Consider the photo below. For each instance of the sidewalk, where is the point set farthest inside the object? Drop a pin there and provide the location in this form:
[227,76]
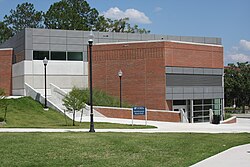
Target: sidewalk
[237,156]
[242,126]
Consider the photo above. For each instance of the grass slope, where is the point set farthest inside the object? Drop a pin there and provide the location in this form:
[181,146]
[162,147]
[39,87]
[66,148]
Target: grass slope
[25,112]
[112,149]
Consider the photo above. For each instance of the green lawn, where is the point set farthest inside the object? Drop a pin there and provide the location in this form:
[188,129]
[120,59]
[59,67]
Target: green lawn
[112,149]
[25,112]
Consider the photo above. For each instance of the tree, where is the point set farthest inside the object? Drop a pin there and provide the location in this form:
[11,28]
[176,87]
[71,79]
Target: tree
[71,15]
[25,16]
[78,15]
[4,104]
[5,32]
[237,84]
[74,101]
[121,25]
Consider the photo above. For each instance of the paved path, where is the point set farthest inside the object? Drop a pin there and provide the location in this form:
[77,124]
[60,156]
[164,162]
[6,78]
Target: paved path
[234,157]
[242,125]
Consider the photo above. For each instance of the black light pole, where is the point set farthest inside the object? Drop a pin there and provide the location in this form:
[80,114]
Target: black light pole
[45,62]
[120,76]
[91,36]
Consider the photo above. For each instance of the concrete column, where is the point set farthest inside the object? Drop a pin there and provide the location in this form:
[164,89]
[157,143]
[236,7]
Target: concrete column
[222,109]
[191,111]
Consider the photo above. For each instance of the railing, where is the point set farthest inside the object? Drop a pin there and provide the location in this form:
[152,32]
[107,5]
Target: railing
[184,117]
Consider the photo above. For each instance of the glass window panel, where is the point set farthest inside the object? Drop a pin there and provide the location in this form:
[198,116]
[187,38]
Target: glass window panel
[198,120]
[208,101]
[58,55]
[40,55]
[216,101]
[216,112]
[206,113]
[197,108]
[207,107]
[216,107]
[179,102]
[75,56]
[197,102]
[197,114]
[206,119]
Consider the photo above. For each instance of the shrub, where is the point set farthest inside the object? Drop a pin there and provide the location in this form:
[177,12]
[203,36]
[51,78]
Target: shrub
[101,98]
[1,119]
[2,93]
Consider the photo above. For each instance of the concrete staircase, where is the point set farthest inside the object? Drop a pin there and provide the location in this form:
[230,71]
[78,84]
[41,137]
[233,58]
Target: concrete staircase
[54,100]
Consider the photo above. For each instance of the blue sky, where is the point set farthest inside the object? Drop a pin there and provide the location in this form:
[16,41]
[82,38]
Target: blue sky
[227,19]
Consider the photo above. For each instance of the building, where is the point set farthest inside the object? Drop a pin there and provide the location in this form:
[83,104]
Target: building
[160,71]
[166,75]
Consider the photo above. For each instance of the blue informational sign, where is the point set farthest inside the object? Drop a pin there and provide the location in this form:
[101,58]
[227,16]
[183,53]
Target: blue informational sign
[139,110]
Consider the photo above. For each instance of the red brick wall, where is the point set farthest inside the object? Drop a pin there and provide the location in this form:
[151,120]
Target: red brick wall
[6,70]
[192,55]
[229,121]
[143,80]
[152,114]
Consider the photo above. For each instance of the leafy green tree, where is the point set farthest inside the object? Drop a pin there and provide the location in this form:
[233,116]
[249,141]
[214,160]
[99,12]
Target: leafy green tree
[25,16]
[5,32]
[70,15]
[3,104]
[121,25]
[237,84]
[78,15]
[74,101]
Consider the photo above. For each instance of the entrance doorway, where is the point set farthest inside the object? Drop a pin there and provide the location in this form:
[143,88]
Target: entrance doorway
[182,104]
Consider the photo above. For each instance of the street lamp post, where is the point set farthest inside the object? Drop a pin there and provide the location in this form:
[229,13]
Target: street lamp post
[120,76]
[91,36]
[45,62]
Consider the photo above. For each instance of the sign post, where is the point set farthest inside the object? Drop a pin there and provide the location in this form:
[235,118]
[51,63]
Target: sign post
[139,111]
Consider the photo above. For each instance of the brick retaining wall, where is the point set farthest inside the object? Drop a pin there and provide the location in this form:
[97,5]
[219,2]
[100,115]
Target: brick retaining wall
[154,115]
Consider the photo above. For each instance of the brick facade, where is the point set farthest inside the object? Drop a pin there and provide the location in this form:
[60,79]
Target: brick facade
[143,65]
[193,55]
[6,70]
[153,115]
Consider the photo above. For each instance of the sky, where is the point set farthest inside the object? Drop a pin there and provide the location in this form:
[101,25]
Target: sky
[226,19]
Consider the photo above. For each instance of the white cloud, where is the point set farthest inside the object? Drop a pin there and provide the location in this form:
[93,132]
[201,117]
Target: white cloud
[158,9]
[240,57]
[134,15]
[245,44]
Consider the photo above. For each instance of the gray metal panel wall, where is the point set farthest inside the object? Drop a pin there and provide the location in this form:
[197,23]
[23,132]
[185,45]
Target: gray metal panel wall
[193,83]
[73,40]
[193,80]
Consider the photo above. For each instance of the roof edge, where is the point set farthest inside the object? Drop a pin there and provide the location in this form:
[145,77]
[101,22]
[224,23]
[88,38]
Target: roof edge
[183,42]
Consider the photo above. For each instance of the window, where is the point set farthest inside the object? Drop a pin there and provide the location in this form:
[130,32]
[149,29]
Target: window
[58,55]
[179,102]
[197,102]
[40,55]
[75,56]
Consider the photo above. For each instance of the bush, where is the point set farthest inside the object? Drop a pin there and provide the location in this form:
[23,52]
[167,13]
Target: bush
[101,98]
[228,115]
[1,119]
[2,93]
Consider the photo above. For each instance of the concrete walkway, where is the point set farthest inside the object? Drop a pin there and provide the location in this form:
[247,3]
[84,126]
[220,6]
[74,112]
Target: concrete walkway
[237,156]
[242,125]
